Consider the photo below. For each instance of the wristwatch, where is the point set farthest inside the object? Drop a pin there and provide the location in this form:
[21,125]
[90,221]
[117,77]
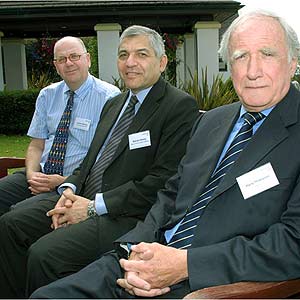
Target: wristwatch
[91,211]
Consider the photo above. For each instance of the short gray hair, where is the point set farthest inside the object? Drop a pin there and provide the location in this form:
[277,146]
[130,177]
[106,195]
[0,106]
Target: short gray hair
[154,38]
[290,34]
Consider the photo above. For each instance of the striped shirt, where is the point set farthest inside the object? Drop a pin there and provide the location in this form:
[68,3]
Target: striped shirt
[89,100]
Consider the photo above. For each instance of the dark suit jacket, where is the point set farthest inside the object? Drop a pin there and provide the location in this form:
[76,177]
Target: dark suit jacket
[257,239]
[132,179]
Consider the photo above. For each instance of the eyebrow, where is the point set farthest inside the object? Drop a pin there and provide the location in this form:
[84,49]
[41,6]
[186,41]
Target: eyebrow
[137,50]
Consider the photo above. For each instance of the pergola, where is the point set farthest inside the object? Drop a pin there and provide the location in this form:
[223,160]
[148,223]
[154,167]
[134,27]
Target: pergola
[199,21]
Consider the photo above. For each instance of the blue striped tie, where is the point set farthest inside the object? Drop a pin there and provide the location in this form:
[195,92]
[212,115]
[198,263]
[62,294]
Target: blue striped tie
[56,157]
[94,181]
[184,235]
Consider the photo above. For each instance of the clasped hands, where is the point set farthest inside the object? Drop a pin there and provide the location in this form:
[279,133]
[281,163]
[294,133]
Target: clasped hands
[42,183]
[69,209]
[152,269]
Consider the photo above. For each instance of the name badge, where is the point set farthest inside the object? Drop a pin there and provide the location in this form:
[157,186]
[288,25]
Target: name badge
[139,140]
[257,181]
[82,124]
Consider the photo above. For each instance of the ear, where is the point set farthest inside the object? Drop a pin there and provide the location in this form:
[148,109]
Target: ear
[55,64]
[163,63]
[293,66]
[88,57]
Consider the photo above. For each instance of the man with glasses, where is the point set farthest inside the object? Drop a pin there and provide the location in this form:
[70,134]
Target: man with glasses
[72,62]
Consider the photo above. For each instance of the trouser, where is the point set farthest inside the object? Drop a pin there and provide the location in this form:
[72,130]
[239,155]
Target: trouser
[14,189]
[33,255]
[97,281]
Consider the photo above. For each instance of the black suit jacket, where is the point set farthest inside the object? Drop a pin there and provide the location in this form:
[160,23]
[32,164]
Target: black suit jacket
[132,179]
[257,239]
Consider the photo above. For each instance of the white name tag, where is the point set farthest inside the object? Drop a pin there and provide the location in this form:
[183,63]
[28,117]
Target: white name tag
[257,181]
[139,140]
[83,124]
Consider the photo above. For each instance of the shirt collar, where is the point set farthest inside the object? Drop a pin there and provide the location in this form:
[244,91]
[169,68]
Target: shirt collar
[266,112]
[141,95]
[84,88]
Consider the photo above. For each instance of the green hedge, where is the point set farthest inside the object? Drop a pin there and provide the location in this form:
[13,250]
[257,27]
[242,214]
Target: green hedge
[16,110]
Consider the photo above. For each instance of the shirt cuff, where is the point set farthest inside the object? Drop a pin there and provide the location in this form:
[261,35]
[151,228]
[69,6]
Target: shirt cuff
[100,204]
[63,186]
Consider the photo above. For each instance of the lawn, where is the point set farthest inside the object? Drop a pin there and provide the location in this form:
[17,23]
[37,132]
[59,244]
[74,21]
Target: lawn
[13,145]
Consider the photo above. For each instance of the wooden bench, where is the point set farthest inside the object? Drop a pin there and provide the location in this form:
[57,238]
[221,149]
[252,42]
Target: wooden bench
[250,290]
[10,163]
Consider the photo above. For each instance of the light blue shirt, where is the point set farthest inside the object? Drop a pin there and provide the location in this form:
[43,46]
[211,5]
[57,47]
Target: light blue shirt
[99,200]
[236,128]
[89,100]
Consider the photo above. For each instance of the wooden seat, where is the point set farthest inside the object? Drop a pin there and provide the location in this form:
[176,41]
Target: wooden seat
[10,163]
[250,290]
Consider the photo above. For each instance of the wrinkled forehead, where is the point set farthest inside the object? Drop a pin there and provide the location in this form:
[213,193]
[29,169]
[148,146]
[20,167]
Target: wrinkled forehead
[135,42]
[258,32]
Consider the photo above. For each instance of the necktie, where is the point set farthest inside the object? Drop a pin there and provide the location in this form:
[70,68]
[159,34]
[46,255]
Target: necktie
[94,181]
[55,161]
[183,236]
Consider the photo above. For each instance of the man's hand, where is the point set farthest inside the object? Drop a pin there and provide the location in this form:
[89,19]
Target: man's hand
[152,269]
[41,183]
[70,209]
[61,203]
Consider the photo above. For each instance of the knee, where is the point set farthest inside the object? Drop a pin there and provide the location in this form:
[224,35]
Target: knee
[8,224]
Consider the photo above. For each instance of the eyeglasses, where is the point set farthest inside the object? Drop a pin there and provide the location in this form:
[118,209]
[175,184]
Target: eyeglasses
[72,57]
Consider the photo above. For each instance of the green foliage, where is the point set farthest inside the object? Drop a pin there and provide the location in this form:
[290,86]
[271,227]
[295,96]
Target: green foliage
[119,83]
[171,42]
[16,109]
[220,93]
[39,57]
[92,48]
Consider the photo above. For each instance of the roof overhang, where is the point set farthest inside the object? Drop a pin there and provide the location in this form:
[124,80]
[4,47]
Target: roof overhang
[28,19]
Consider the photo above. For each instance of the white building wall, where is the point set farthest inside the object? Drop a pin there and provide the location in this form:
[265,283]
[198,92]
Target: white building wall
[108,41]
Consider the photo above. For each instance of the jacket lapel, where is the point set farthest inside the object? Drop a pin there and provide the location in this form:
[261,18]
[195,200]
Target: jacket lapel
[106,122]
[272,132]
[147,109]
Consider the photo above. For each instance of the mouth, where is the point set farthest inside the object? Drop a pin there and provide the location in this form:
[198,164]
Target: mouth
[256,87]
[71,71]
[132,74]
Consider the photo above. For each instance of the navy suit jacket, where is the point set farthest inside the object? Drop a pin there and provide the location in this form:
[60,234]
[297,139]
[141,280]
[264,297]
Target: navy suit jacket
[257,239]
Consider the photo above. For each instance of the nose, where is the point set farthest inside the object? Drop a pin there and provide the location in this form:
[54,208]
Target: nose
[68,62]
[131,61]
[254,68]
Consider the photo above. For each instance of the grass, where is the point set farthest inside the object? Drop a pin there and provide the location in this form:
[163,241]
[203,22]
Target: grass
[13,145]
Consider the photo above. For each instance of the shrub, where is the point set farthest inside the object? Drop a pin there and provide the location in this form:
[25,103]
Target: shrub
[17,109]
[220,93]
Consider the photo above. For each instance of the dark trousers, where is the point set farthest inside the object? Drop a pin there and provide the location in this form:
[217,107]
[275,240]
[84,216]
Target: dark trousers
[97,281]
[33,255]
[14,189]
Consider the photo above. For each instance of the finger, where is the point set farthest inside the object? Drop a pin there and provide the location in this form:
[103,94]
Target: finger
[68,193]
[56,211]
[68,203]
[134,280]
[55,221]
[150,293]
[122,282]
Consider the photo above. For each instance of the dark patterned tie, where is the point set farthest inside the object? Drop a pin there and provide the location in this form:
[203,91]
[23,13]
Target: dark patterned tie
[94,181]
[184,235]
[55,161]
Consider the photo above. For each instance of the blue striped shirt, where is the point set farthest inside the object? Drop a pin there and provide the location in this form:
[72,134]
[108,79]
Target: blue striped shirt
[89,100]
